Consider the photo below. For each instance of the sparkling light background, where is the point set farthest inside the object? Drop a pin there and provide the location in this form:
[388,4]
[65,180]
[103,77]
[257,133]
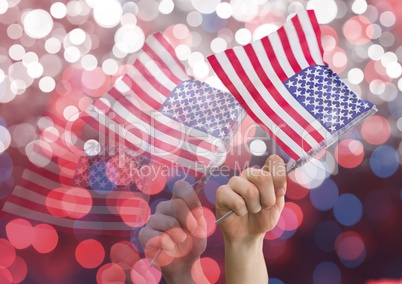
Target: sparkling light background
[342,220]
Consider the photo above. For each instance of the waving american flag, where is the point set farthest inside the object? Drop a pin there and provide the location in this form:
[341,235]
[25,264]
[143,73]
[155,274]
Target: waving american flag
[284,84]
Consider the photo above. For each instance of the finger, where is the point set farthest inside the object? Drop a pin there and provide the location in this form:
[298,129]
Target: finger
[177,208]
[248,191]
[227,199]
[154,240]
[185,191]
[168,224]
[276,166]
[263,181]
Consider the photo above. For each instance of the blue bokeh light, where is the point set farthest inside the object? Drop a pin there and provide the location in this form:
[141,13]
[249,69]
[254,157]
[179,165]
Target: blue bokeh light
[275,281]
[384,161]
[325,196]
[348,210]
[212,185]
[6,166]
[327,273]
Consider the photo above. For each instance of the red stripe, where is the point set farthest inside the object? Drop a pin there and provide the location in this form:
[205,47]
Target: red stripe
[277,96]
[165,69]
[288,50]
[141,93]
[273,60]
[225,79]
[317,31]
[262,104]
[162,40]
[303,41]
[151,79]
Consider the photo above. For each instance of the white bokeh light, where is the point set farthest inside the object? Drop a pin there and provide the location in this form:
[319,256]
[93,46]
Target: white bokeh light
[243,36]
[355,76]
[107,13]
[72,54]
[52,45]
[166,6]
[258,147]
[110,66]
[58,10]
[205,6]
[218,44]
[37,23]
[35,70]
[47,84]
[129,38]
[92,147]
[224,10]
[3,6]
[77,36]
[89,62]
[5,139]
[325,10]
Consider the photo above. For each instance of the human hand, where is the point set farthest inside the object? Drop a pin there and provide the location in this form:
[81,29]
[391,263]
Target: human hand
[178,229]
[257,197]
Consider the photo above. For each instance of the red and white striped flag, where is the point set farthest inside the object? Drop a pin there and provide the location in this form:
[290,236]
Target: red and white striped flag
[159,111]
[284,85]
[96,172]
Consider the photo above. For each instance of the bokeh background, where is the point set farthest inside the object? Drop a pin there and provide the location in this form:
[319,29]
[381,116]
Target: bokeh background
[343,218]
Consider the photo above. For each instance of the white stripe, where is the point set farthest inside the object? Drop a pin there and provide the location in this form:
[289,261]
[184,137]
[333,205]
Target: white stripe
[237,82]
[155,71]
[167,58]
[64,222]
[311,37]
[294,42]
[141,81]
[270,101]
[280,54]
[268,69]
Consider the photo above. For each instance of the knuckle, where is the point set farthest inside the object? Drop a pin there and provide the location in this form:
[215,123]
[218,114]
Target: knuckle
[251,192]
[238,205]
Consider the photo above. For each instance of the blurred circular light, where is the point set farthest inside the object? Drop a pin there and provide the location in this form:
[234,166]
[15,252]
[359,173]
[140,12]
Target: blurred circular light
[348,210]
[14,31]
[47,84]
[3,7]
[89,62]
[387,19]
[258,147]
[205,6]
[58,10]
[350,249]
[166,6]
[35,70]
[72,54]
[107,13]
[52,45]
[375,51]
[359,6]
[224,10]
[111,273]
[110,66]
[129,38]
[264,30]
[194,19]
[376,130]
[18,270]
[218,45]
[201,70]
[325,196]
[349,153]
[327,272]
[244,11]
[394,70]
[8,253]
[148,10]
[20,233]
[355,76]
[243,36]
[354,30]
[325,10]
[384,161]
[5,139]
[16,52]
[183,51]
[89,253]
[37,23]
[77,36]
[46,238]
[207,268]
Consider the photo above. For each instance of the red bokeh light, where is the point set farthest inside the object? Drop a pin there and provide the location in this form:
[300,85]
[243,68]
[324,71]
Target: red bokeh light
[8,254]
[376,130]
[144,273]
[46,238]
[292,216]
[205,270]
[5,276]
[349,245]
[76,202]
[151,179]
[210,218]
[110,273]
[355,30]
[20,233]
[349,153]
[125,254]
[134,211]
[18,270]
[153,250]
[295,191]
[89,253]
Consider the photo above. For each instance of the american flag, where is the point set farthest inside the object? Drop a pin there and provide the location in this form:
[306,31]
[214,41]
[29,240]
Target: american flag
[87,175]
[159,111]
[284,84]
